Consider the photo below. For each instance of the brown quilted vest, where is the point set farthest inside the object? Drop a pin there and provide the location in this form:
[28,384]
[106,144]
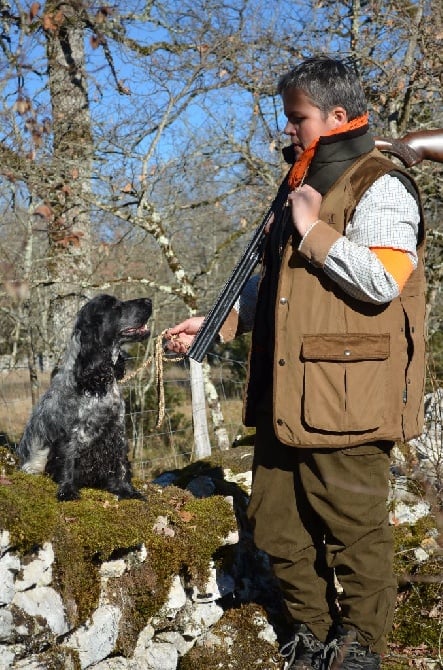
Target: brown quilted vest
[345,372]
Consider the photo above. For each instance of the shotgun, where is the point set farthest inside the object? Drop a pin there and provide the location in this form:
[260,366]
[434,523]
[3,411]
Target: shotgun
[410,150]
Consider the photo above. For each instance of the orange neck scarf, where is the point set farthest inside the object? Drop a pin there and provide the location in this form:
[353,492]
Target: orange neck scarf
[301,166]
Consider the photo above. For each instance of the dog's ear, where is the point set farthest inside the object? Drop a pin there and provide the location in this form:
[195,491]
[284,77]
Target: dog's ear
[93,368]
[99,320]
[96,331]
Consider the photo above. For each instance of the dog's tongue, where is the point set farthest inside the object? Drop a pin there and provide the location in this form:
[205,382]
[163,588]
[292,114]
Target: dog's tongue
[142,330]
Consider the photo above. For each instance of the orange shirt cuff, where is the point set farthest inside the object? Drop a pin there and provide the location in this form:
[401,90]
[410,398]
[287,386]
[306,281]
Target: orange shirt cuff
[397,262]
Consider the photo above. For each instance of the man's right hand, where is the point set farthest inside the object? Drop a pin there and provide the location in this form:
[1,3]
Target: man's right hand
[180,337]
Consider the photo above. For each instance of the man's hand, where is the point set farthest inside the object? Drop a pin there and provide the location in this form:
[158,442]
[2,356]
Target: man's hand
[180,337]
[305,206]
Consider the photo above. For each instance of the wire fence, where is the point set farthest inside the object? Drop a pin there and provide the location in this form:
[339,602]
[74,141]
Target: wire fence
[155,449]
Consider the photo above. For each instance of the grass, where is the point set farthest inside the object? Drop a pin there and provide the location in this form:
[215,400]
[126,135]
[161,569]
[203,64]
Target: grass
[15,401]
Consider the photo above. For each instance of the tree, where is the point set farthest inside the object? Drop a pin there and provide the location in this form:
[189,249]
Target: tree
[58,183]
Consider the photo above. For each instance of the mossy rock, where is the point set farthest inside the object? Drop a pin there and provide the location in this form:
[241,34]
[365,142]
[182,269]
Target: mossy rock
[238,460]
[418,613]
[98,528]
[240,645]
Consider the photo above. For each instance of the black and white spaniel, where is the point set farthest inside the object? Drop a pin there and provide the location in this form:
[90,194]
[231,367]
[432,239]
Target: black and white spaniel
[76,432]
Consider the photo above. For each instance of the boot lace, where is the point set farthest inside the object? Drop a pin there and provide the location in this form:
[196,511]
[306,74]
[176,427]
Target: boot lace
[347,652]
[305,640]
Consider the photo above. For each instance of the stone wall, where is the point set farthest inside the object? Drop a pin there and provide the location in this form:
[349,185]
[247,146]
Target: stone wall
[232,619]
[35,628]
[33,622]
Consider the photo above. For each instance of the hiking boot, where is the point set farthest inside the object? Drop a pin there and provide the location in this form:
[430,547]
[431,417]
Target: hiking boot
[304,651]
[345,653]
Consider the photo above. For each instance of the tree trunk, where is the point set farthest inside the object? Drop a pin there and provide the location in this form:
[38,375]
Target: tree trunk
[68,218]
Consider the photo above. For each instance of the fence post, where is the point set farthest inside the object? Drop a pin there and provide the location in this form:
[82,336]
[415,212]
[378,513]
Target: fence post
[201,436]
[213,400]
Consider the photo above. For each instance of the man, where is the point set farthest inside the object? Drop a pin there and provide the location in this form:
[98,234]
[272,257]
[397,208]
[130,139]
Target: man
[336,370]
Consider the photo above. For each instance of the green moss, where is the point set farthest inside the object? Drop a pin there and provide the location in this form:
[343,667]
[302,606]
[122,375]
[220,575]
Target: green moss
[211,513]
[418,614]
[28,509]
[245,650]
[239,459]
[98,527]
[140,594]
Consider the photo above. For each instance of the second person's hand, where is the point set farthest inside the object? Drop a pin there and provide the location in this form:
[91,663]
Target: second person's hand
[180,337]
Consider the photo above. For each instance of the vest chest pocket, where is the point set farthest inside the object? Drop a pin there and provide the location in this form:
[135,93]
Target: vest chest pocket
[345,382]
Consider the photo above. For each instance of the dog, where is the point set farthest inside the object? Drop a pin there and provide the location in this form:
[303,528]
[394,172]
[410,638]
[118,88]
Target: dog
[76,432]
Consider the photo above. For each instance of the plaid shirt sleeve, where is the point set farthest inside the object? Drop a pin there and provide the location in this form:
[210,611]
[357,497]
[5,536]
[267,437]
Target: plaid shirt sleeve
[386,216]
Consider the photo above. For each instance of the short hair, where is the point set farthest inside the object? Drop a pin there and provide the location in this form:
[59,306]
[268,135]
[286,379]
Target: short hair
[328,82]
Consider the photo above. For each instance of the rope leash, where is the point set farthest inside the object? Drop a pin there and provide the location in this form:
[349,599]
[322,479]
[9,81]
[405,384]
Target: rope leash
[158,358]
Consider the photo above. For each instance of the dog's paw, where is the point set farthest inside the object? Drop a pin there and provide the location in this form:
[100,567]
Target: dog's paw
[138,495]
[67,492]
[129,491]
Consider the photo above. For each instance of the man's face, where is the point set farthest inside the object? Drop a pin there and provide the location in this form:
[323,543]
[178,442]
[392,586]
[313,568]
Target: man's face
[306,122]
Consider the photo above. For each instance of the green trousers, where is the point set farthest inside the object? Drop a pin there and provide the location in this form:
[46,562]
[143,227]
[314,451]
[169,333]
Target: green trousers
[321,515]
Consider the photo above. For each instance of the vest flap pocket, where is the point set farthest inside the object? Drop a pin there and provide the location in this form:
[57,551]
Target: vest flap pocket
[345,382]
[350,347]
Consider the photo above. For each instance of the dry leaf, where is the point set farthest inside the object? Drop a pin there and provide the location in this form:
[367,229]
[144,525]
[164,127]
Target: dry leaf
[123,89]
[34,10]
[96,40]
[48,23]
[22,105]
[52,22]
[71,240]
[59,18]
[43,210]
[103,14]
